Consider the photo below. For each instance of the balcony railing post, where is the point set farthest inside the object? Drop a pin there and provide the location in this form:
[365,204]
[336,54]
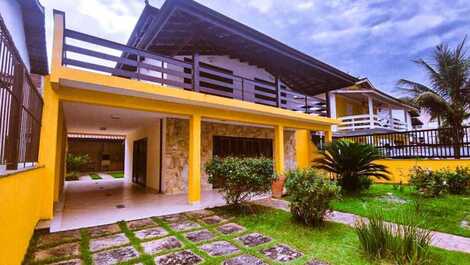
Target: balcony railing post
[195,71]
[278,92]
[14,130]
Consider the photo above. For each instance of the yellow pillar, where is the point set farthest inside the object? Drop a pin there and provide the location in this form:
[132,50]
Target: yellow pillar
[48,148]
[194,178]
[329,136]
[302,148]
[278,186]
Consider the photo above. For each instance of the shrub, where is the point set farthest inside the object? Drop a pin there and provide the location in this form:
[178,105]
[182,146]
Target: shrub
[75,162]
[241,178]
[458,181]
[404,244]
[310,195]
[352,163]
[429,183]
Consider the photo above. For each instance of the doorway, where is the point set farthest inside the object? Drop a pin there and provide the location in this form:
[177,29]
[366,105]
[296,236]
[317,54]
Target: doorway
[139,162]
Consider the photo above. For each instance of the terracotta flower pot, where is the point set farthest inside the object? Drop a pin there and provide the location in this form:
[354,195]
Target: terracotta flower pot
[278,187]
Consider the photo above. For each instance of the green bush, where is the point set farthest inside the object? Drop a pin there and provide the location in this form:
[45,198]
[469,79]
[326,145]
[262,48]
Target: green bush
[352,163]
[310,195]
[429,183]
[241,178]
[75,162]
[404,244]
[458,181]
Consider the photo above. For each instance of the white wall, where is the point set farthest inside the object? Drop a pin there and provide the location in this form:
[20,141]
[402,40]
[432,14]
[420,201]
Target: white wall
[10,10]
[152,133]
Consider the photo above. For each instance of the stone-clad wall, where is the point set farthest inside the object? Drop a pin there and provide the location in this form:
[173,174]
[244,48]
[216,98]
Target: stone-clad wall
[175,171]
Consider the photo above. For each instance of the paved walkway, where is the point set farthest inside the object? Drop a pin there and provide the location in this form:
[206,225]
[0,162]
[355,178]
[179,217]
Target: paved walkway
[439,239]
[180,239]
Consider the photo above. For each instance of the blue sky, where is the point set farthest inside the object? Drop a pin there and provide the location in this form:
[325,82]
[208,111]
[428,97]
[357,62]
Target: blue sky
[366,38]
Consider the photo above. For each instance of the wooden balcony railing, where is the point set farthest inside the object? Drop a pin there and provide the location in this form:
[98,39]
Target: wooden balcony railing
[366,121]
[107,57]
[20,108]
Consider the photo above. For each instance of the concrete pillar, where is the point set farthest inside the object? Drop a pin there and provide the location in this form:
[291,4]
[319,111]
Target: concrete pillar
[278,186]
[371,112]
[194,176]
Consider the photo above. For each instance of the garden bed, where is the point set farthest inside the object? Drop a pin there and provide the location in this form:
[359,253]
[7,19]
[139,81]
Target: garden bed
[447,213]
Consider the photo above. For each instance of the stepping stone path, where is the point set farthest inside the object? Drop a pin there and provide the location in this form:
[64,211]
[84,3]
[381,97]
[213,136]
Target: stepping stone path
[219,248]
[212,220]
[114,256]
[140,224]
[150,233]
[155,246]
[184,226]
[244,260]
[185,257]
[60,251]
[103,230]
[254,239]
[281,253]
[108,242]
[230,228]
[166,243]
[59,237]
[200,214]
[198,236]
[173,218]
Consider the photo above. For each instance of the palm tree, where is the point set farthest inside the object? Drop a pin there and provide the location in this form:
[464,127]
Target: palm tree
[352,163]
[448,96]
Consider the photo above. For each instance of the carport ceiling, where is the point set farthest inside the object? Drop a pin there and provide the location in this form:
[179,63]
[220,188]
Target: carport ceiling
[91,119]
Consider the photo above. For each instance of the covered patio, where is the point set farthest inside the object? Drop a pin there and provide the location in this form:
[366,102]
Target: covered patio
[91,203]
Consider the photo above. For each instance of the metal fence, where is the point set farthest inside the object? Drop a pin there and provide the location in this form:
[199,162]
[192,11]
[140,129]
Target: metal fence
[434,143]
[20,108]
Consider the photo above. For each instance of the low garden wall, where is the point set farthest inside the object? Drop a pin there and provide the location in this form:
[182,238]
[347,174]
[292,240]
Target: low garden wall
[400,168]
[20,210]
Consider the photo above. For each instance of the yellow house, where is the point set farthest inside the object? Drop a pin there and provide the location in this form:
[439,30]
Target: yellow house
[189,79]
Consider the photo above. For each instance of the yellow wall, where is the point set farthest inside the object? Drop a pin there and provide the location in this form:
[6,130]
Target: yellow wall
[20,208]
[400,168]
[342,109]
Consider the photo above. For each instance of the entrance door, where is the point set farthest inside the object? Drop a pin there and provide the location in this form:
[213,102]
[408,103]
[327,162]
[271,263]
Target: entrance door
[139,162]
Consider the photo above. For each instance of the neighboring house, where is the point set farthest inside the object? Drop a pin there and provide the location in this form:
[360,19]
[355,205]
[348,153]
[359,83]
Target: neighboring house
[23,62]
[364,109]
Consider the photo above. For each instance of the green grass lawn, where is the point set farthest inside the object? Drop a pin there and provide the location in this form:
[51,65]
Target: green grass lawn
[116,174]
[334,243]
[95,176]
[444,213]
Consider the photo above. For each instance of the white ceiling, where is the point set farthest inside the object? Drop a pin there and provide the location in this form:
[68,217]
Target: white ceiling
[84,118]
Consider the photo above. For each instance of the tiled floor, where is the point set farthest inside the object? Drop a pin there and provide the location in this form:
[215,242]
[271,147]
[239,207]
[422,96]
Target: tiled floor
[182,239]
[91,203]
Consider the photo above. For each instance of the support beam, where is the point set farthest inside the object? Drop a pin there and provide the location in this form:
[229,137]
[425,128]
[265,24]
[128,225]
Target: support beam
[390,117]
[196,75]
[371,112]
[328,104]
[194,176]
[278,186]
[332,108]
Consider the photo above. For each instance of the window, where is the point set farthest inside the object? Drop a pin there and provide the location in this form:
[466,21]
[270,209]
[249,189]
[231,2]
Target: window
[242,147]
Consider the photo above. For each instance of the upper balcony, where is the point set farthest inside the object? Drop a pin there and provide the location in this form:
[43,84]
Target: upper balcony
[103,56]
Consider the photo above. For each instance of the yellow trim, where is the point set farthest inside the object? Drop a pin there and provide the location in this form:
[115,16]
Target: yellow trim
[194,177]
[279,149]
